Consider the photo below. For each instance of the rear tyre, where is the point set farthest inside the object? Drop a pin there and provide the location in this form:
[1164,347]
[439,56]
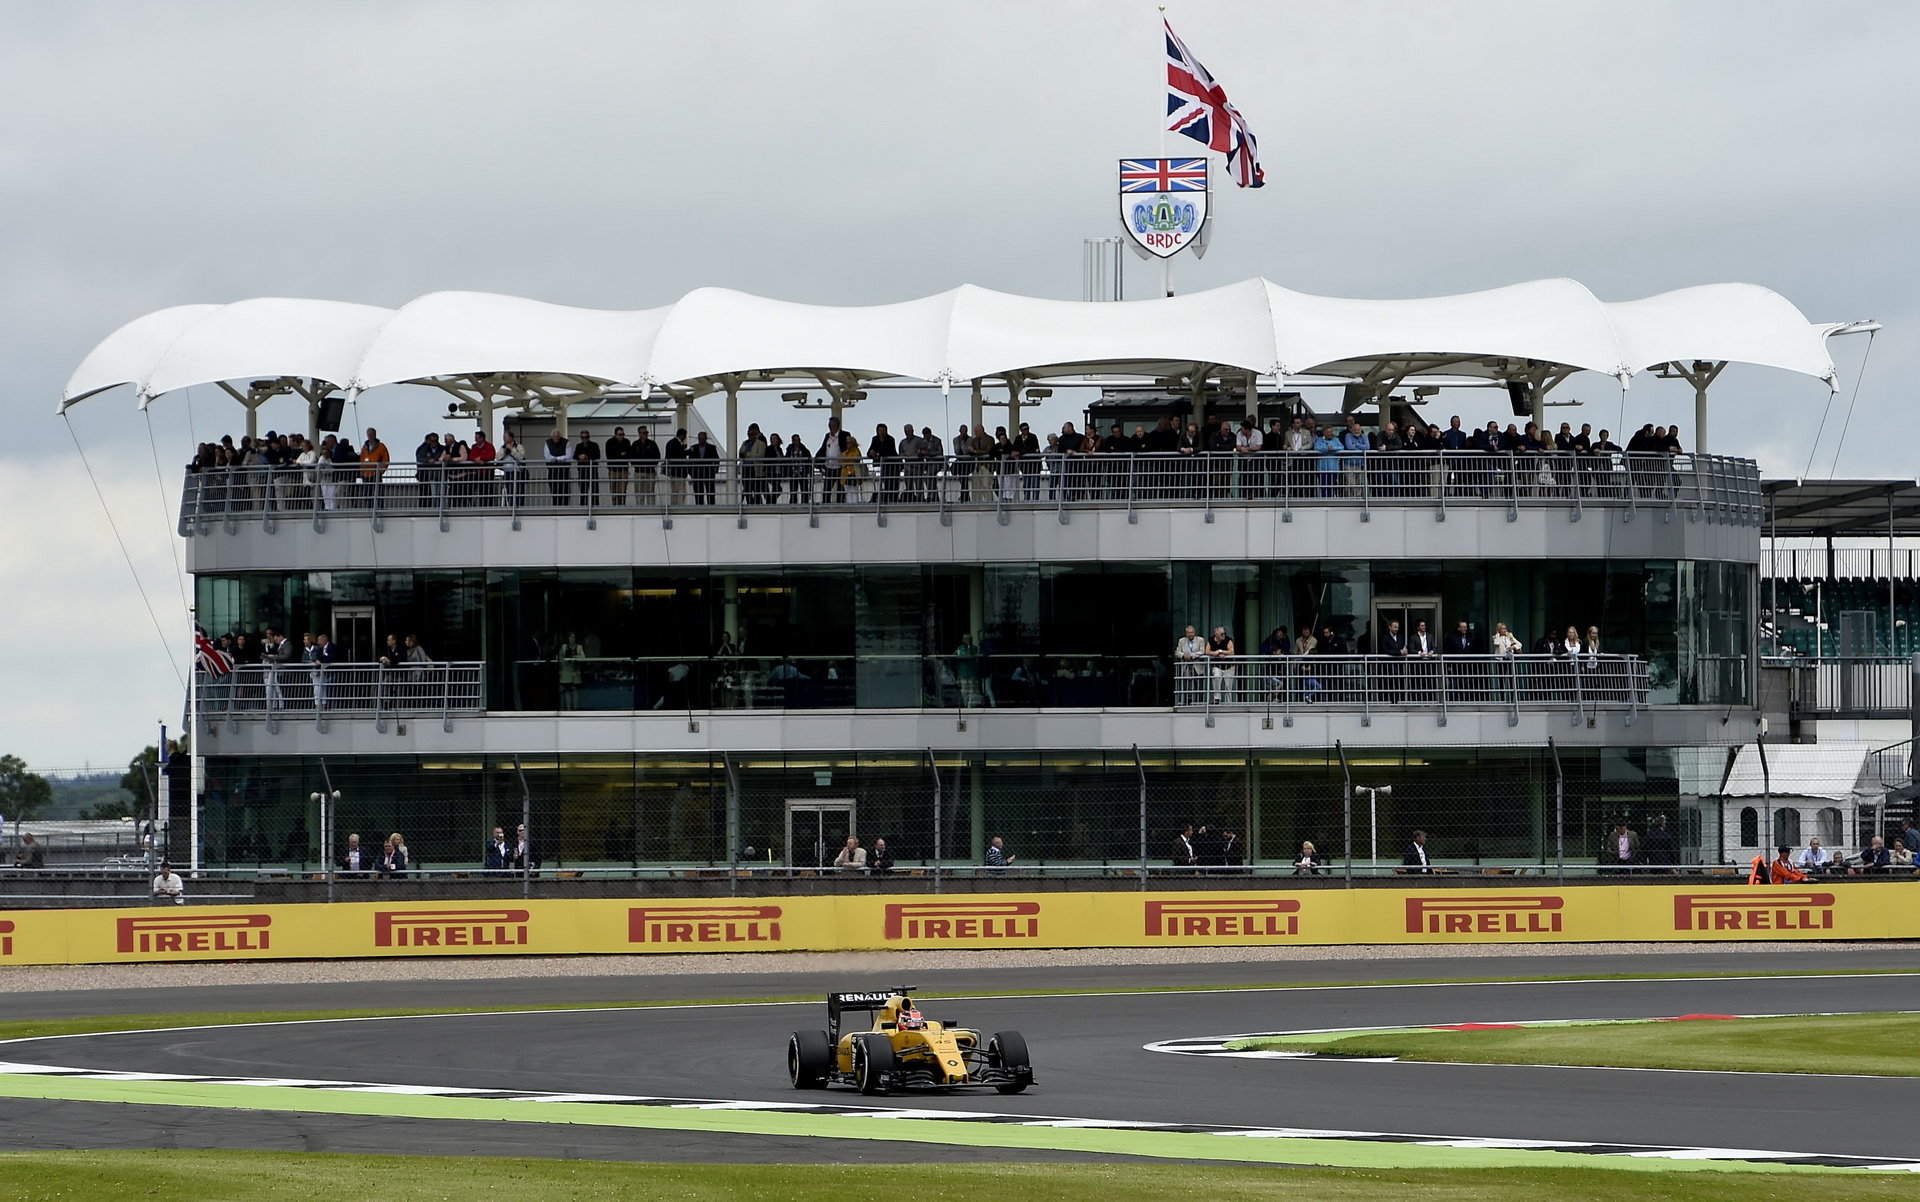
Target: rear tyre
[873,1063]
[809,1055]
[1007,1051]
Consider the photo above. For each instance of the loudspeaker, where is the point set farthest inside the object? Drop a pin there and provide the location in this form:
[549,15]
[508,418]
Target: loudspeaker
[1520,393]
[331,410]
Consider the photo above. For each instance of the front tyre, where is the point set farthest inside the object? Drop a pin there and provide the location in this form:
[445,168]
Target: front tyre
[873,1063]
[1007,1051]
[809,1055]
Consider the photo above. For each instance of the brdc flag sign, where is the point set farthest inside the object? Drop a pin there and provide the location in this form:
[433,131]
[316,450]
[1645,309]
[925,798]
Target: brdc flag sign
[1163,203]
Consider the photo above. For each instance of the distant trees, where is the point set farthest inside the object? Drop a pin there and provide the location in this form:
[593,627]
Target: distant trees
[24,795]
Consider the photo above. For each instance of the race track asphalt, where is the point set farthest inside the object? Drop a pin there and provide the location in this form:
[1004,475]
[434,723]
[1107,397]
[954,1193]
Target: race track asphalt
[1087,1051]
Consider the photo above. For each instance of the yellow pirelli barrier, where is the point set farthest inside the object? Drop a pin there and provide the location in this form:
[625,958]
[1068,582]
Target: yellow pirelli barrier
[1227,917]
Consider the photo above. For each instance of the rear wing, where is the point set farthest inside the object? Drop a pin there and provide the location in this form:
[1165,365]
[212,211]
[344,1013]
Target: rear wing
[867,1003]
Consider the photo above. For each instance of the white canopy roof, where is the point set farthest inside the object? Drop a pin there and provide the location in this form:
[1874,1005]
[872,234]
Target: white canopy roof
[1829,771]
[964,334]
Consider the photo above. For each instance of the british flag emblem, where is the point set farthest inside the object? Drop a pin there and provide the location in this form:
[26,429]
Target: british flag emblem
[1163,203]
[1163,175]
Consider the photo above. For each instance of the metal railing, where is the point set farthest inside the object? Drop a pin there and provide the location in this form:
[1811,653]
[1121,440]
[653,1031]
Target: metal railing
[260,692]
[1702,487]
[1288,684]
[1857,685]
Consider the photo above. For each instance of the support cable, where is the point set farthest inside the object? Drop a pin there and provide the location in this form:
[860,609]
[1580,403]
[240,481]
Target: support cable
[160,486]
[1857,378]
[165,642]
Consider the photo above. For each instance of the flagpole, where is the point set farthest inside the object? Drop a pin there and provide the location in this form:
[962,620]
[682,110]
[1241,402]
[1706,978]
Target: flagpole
[1166,263]
[196,766]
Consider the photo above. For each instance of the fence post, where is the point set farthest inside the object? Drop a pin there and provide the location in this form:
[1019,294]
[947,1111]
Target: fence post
[1766,796]
[328,813]
[933,766]
[1348,807]
[732,823]
[1559,814]
[1140,770]
[526,824]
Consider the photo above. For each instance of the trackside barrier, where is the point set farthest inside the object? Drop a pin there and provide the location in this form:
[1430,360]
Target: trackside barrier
[1442,917]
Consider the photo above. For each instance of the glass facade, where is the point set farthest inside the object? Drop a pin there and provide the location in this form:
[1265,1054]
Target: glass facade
[1053,808]
[1005,634]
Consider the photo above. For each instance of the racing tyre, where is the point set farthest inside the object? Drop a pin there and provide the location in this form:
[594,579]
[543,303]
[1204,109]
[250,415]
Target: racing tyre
[873,1063]
[809,1055]
[1007,1051]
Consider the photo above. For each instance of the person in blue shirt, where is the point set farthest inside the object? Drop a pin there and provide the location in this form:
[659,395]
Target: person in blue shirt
[1327,443]
[1354,439]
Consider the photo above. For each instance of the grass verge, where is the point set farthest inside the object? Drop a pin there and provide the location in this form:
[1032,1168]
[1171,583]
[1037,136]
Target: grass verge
[1867,1044]
[195,1176]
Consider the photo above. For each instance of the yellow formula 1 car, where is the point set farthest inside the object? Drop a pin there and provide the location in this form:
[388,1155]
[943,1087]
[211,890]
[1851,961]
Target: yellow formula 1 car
[901,1049]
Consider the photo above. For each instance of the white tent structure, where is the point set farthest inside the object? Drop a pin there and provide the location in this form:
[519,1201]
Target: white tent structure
[1802,790]
[489,350]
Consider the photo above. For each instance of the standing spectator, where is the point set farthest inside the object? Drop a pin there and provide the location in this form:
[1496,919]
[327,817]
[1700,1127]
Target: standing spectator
[1416,861]
[1220,656]
[320,657]
[374,458]
[773,470]
[1658,846]
[482,455]
[1620,851]
[525,857]
[1504,644]
[852,857]
[799,471]
[1420,642]
[1309,862]
[1209,848]
[586,465]
[997,855]
[512,461]
[675,467]
[354,861]
[1184,855]
[498,853]
[1026,460]
[881,861]
[749,460]
[885,454]
[966,670]
[645,460]
[1189,650]
[558,456]
[619,453]
[428,460]
[704,467]
[1910,836]
[32,855]
[167,885]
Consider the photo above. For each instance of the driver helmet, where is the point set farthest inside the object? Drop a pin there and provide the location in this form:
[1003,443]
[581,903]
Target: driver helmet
[910,1019]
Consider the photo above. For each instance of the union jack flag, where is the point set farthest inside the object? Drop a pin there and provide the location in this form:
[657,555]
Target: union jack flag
[1163,175]
[1198,108]
[209,655]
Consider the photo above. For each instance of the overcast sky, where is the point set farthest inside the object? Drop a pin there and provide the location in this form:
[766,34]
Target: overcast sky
[620,154]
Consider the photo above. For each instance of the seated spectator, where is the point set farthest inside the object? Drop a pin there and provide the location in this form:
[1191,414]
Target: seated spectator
[1876,857]
[354,861]
[32,855]
[852,857]
[1902,859]
[1782,871]
[1815,858]
[393,859]
[997,855]
[1309,862]
[881,861]
[167,885]
[1416,861]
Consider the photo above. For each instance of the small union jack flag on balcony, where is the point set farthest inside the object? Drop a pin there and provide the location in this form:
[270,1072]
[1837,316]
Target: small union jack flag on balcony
[208,654]
[1163,175]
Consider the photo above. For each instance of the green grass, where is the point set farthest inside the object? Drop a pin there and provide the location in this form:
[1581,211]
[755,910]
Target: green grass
[1873,1044]
[194,1176]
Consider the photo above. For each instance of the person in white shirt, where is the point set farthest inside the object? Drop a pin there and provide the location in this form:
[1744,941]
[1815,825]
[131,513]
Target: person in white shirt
[167,885]
[852,857]
[1188,653]
[1815,858]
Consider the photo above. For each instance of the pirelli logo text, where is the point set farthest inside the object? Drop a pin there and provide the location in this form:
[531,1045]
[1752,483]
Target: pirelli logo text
[496,927]
[1222,918]
[1501,914]
[6,938]
[963,920]
[703,924]
[1757,910]
[194,934]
